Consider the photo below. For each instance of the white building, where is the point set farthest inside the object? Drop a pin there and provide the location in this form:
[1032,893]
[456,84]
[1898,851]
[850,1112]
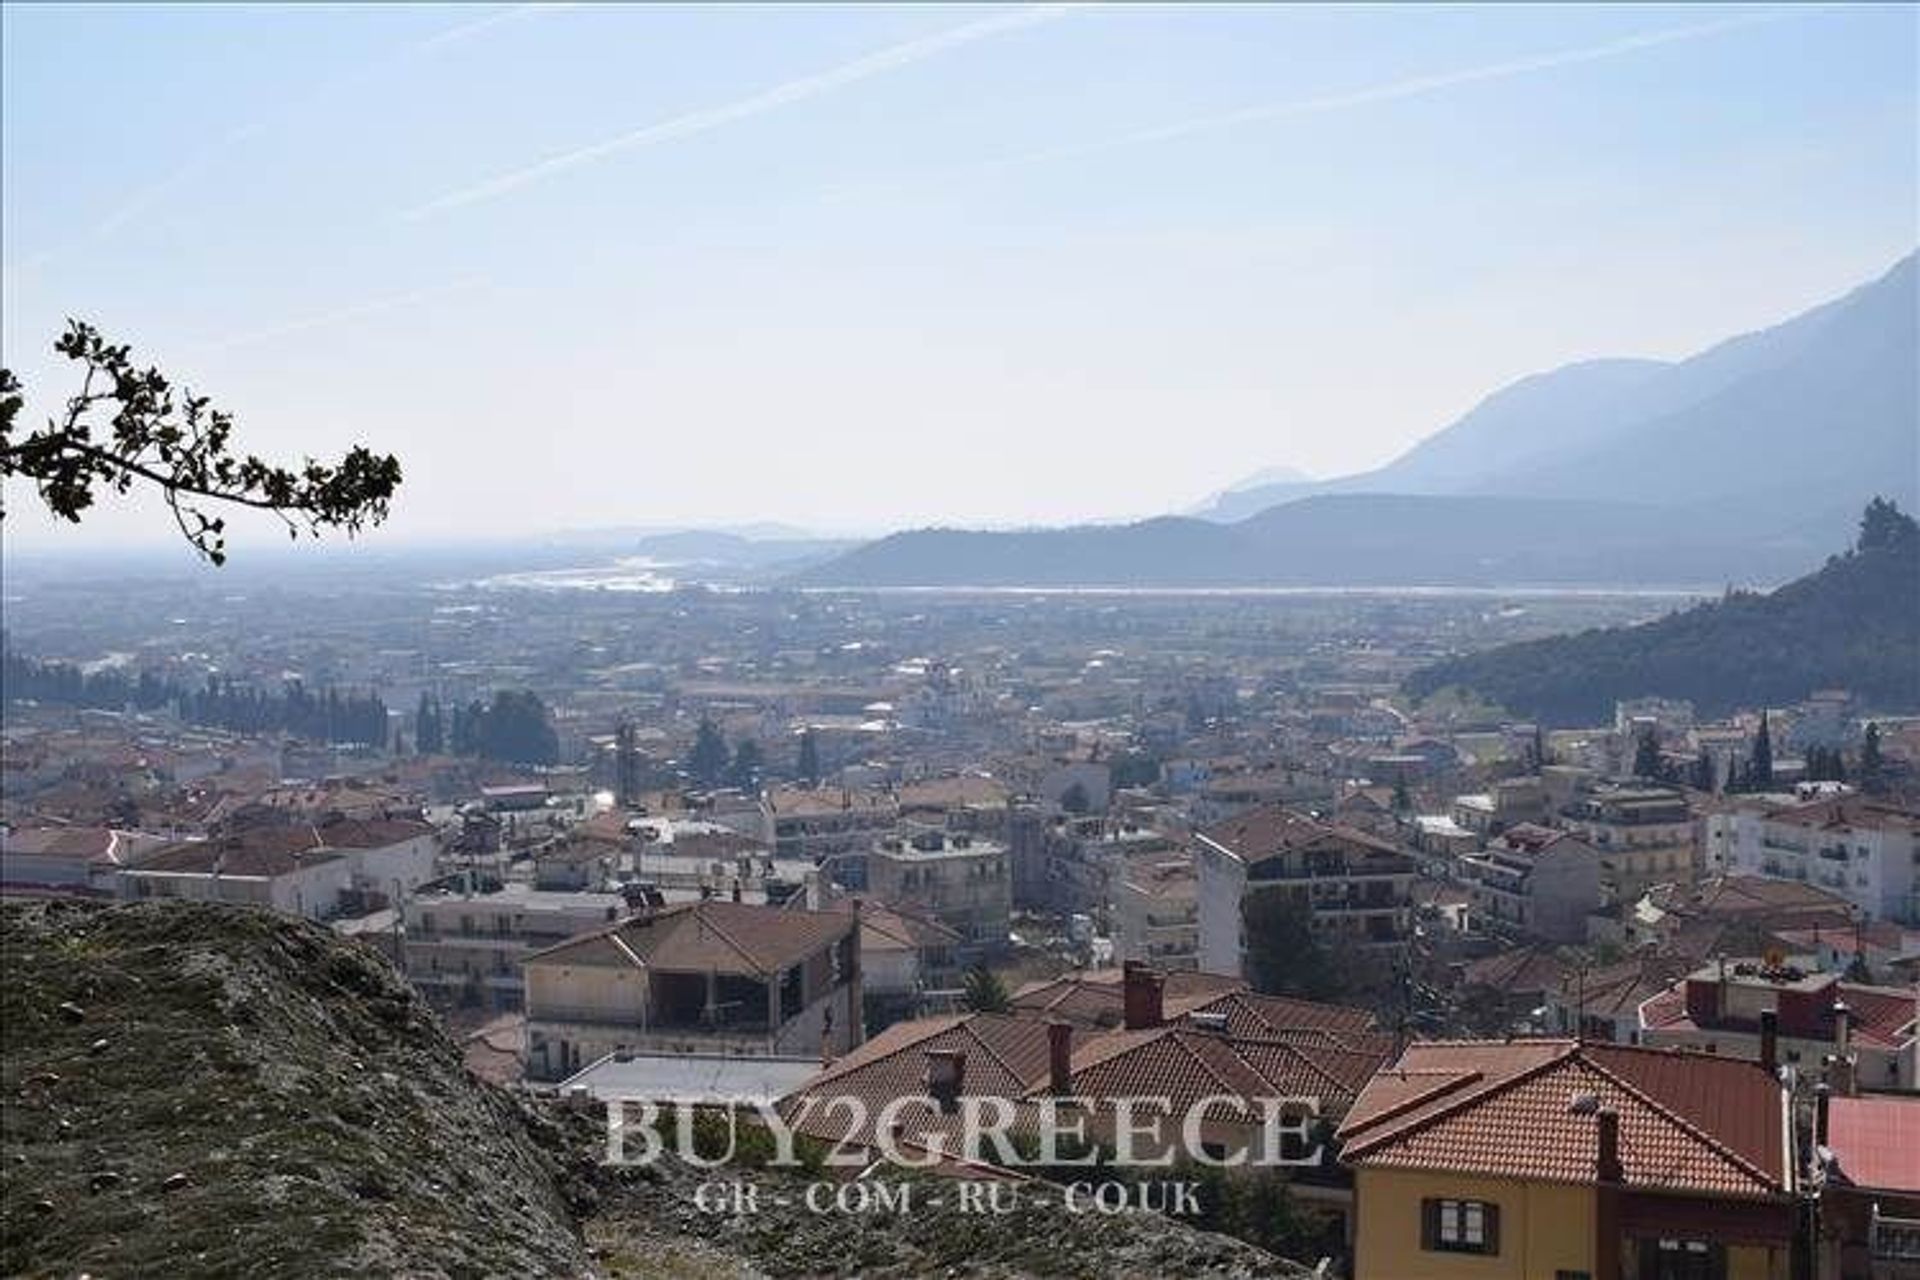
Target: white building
[1860,848]
[1358,888]
[1156,911]
[314,871]
[465,949]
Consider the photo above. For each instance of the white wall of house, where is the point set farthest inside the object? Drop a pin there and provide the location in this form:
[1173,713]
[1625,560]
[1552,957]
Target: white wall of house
[312,891]
[1222,884]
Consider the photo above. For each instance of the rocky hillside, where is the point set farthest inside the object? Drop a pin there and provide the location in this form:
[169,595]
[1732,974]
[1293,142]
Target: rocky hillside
[209,1091]
[212,1091]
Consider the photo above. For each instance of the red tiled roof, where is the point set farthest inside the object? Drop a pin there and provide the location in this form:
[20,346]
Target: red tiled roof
[1095,998]
[1270,829]
[1523,971]
[1689,1123]
[1880,1017]
[77,844]
[257,851]
[721,937]
[1876,1141]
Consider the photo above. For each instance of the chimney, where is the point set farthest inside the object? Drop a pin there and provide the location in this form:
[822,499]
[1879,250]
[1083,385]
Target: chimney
[1769,1041]
[946,1077]
[1822,1100]
[1842,1074]
[1140,996]
[1607,1167]
[856,1006]
[1060,1058]
[1606,1209]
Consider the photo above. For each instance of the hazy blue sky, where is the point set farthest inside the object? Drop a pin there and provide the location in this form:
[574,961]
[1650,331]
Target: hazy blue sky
[868,266]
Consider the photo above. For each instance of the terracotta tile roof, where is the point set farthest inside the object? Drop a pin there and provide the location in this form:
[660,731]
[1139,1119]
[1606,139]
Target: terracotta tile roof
[1619,990]
[953,792]
[1853,812]
[1881,1017]
[1008,1056]
[1270,829]
[1876,1142]
[716,936]
[372,833]
[1689,1123]
[257,851]
[76,844]
[1522,971]
[1094,998]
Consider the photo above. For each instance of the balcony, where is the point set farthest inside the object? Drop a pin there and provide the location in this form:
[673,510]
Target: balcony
[1894,1239]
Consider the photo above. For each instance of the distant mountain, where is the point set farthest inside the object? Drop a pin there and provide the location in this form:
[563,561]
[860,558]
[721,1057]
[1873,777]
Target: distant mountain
[1739,464]
[1328,540]
[1803,420]
[1854,624]
[1256,492]
[713,547]
[1168,550]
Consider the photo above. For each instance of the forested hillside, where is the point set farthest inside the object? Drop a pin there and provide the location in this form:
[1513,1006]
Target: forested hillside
[1854,624]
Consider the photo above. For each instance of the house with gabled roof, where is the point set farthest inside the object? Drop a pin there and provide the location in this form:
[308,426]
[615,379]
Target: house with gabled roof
[1561,1158]
[1867,1174]
[698,977]
[1202,1043]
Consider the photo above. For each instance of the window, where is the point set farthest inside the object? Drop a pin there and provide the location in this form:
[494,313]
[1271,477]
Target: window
[1460,1226]
[1682,1260]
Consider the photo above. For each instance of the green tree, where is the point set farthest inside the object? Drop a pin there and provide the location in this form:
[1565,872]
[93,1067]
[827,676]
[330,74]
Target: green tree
[744,772]
[984,992]
[1075,800]
[516,727]
[1646,755]
[1284,956]
[708,763]
[1884,527]
[1873,767]
[1702,779]
[428,734]
[809,767]
[1760,767]
[125,426]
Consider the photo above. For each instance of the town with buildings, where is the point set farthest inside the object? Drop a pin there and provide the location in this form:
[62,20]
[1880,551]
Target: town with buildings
[985,640]
[1560,1004]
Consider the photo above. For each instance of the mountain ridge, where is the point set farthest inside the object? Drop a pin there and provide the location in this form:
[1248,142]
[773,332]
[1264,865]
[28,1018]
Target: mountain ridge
[1741,462]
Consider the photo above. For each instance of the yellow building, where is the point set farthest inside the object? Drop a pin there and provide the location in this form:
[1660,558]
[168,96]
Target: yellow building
[1556,1160]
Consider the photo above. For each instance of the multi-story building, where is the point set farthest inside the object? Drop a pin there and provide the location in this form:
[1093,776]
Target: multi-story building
[705,977]
[1865,850]
[464,949]
[1856,1035]
[1554,1158]
[1645,836]
[819,824]
[1535,881]
[1156,911]
[294,867]
[1357,886]
[963,882]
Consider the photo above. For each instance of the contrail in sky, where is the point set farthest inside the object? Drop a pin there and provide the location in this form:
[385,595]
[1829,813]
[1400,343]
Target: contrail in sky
[1387,92]
[695,122]
[208,154]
